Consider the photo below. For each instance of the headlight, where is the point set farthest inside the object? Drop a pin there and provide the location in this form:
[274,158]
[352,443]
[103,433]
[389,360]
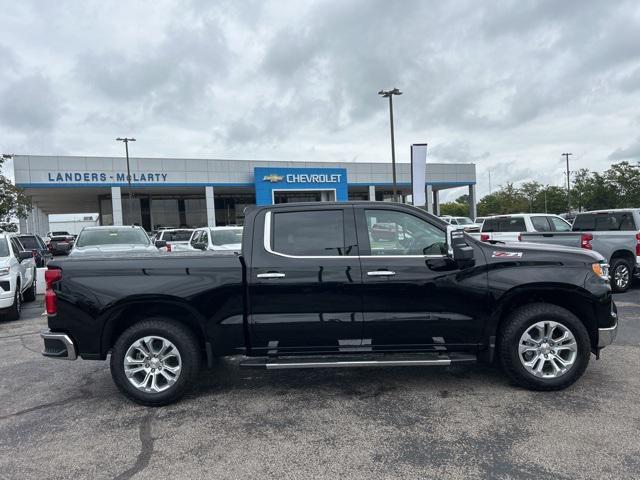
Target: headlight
[4,271]
[601,270]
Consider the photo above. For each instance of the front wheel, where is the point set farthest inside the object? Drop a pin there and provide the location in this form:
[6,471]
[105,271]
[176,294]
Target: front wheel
[154,362]
[544,347]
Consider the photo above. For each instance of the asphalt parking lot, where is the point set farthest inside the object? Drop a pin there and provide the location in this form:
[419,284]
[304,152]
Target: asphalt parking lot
[66,420]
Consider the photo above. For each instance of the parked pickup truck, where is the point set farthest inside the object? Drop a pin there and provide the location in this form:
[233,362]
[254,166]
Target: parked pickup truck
[313,288]
[614,234]
[507,228]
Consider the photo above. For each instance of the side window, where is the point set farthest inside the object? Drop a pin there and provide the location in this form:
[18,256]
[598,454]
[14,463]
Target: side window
[16,247]
[540,224]
[559,225]
[195,237]
[204,238]
[399,233]
[310,233]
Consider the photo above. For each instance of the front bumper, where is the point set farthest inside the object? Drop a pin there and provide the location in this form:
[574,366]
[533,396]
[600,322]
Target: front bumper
[606,336]
[58,345]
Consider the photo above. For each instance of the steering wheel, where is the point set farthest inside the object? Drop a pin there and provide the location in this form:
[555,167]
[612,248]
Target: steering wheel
[416,245]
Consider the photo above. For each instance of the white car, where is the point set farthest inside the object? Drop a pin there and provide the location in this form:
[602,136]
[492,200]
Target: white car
[217,238]
[507,228]
[177,239]
[465,222]
[112,239]
[17,276]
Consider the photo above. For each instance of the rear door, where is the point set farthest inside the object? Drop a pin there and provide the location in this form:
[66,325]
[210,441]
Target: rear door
[304,281]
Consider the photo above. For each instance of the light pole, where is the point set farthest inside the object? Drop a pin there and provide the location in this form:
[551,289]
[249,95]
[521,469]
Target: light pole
[126,149]
[566,155]
[389,94]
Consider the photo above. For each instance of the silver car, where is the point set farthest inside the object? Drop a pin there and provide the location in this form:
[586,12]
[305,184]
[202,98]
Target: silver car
[112,239]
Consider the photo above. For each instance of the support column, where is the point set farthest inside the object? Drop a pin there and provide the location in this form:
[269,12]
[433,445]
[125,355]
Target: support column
[23,225]
[436,202]
[372,193]
[44,223]
[116,205]
[472,202]
[429,199]
[211,207]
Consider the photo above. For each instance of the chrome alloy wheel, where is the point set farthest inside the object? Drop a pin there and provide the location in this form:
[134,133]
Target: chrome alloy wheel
[621,276]
[152,364]
[547,349]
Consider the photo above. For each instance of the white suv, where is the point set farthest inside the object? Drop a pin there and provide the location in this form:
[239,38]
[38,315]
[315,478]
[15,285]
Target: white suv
[507,228]
[17,276]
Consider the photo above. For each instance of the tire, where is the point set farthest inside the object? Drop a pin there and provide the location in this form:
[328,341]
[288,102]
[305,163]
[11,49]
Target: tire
[621,275]
[529,319]
[30,295]
[13,313]
[188,360]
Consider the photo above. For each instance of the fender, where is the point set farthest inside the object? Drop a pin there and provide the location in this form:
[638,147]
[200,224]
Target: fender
[576,299]
[111,320]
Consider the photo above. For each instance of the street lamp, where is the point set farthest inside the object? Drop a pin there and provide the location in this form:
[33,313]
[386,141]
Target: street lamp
[126,149]
[389,94]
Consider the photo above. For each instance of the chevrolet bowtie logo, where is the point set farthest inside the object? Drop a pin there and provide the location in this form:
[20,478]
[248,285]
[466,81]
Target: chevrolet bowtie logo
[273,178]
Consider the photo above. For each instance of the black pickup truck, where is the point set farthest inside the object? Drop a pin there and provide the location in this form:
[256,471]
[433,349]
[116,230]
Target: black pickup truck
[315,286]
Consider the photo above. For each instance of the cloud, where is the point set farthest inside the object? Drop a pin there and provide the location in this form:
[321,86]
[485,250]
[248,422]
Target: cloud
[30,103]
[631,152]
[485,82]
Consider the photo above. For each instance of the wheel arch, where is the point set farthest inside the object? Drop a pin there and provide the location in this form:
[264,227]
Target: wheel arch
[124,314]
[574,299]
[625,254]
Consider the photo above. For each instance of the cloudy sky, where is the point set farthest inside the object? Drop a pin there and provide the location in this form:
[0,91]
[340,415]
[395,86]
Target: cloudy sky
[507,85]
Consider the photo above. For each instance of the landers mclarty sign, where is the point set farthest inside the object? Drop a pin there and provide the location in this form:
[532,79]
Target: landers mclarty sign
[101,177]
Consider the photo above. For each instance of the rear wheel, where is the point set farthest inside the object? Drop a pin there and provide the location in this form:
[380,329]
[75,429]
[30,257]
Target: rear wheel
[621,275]
[544,347]
[154,362]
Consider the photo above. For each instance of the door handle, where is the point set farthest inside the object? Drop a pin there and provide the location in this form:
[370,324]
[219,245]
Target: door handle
[381,273]
[271,275]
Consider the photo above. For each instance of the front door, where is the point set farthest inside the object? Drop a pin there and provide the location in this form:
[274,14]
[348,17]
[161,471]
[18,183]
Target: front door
[414,296]
[304,282]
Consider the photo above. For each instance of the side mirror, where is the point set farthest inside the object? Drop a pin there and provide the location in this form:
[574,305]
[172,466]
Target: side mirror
[160,243]
[457,247]
[25,255]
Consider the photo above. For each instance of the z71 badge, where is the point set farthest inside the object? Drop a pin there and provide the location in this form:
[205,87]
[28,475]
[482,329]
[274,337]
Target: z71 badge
[506,255]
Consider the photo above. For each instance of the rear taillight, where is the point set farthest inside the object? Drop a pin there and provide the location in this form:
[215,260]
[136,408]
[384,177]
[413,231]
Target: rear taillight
[638,244]
[484,237]
[50,300]
[585,241]
[519,237]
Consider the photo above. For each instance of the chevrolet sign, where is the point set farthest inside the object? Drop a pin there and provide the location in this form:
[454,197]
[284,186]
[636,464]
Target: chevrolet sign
[273,178]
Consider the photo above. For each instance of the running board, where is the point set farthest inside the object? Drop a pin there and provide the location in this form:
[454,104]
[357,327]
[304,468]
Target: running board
[426,360]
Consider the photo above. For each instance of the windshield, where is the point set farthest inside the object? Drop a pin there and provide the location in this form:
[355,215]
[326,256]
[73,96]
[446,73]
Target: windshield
[464,221]
[226,237]
[4,247]
[30,243]
[114,236]
[177,235]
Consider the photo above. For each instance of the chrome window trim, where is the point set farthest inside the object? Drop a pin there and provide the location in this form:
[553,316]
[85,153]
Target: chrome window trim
[267,247]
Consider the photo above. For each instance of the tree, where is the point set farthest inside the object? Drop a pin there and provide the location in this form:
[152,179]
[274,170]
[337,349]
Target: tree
[14,203]
[454,209]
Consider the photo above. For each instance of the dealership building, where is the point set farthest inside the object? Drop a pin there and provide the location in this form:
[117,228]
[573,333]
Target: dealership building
[196,192]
